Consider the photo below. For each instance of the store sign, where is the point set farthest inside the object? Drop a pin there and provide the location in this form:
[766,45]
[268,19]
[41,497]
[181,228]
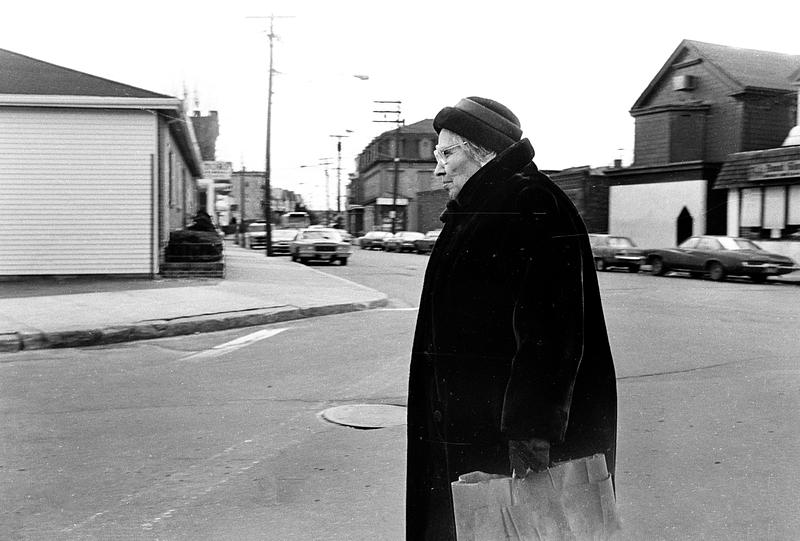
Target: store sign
[785,169]
[218,170]
[390,201]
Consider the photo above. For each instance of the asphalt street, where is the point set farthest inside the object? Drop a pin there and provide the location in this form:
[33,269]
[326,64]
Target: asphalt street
[218,436]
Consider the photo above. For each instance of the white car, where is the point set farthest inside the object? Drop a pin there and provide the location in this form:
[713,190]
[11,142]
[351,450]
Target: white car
[321,245]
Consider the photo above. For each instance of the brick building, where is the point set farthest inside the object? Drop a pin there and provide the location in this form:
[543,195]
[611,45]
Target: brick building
[371,192]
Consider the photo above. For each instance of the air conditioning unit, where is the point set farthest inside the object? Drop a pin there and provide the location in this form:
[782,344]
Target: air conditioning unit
[684,82]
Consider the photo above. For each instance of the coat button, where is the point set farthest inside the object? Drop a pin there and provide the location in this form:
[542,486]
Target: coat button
[437,416]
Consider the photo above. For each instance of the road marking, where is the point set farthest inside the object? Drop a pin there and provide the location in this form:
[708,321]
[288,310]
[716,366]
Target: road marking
[409,309]
[233,345]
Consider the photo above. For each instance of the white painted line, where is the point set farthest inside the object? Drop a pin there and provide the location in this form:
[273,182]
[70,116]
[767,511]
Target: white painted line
[410,309]
[233,345]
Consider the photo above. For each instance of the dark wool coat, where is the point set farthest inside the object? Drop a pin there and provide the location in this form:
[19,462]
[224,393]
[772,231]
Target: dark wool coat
[510,341]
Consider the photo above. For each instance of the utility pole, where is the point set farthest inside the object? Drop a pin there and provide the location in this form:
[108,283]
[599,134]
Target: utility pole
[267,189]
[339,172]
[324,163]
[399,122]
[240,227]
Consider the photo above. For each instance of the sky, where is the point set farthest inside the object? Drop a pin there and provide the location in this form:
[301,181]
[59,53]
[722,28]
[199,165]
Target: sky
[570,70]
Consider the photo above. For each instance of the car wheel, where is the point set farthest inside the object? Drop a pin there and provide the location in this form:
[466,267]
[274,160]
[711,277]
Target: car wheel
[294,257]
[599,264]
[303,260]
[716,271]
[343,262]
[657,267]
[633,269]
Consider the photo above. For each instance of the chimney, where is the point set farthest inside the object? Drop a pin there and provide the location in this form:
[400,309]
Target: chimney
[617,163]
[793,139]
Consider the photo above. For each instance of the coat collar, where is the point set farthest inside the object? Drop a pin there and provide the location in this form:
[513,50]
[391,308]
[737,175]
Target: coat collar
[505,164]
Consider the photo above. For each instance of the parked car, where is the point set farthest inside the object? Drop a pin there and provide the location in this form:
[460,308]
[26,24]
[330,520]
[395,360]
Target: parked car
[402,241]
[281,239]
[347,237]
[615,251]
[319,244]
[425,244]
[255,236]
[373,240]
[718,257]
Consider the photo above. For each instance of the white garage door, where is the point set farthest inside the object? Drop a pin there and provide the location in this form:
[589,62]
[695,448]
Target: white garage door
[76,191]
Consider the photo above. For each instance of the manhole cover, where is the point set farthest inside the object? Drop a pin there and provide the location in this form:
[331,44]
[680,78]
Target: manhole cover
[366,415]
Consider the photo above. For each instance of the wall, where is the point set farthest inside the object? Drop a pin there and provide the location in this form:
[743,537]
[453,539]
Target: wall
[648,212]
[76,191]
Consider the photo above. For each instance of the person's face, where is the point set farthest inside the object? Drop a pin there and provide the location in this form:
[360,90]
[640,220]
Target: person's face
[455,166]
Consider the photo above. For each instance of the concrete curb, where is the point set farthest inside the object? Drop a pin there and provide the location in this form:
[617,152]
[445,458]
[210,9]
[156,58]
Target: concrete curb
[163,328]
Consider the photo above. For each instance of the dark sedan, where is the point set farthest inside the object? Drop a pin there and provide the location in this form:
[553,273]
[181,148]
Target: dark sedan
[615,251]
[718,257]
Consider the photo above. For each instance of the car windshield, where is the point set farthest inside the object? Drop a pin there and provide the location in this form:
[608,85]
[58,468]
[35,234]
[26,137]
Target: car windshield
[375,234]
[738,244]
[284,234]
[323,235]
[257,228]
[410,235]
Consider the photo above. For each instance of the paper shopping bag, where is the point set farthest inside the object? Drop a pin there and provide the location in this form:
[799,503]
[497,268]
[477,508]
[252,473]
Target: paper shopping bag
[573,500]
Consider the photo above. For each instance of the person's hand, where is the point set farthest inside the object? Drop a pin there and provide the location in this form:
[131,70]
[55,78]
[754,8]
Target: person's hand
[528,455]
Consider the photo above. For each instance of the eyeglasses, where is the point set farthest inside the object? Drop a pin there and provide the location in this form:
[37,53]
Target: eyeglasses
[442,154]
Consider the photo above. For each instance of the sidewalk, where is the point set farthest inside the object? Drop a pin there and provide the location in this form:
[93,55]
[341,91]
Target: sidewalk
[49,313]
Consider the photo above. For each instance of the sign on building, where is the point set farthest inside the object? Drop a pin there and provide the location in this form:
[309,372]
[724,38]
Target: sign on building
[218,170]
[774,170]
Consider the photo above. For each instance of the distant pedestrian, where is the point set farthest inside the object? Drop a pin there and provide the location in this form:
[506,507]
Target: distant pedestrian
[511,368]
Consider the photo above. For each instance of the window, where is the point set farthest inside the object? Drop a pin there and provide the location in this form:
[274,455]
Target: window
[772,212]
[708,244]
[689,243]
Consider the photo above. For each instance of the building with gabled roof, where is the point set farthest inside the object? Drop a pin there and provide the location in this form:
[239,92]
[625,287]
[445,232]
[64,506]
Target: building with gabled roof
[93,173]
[706,102]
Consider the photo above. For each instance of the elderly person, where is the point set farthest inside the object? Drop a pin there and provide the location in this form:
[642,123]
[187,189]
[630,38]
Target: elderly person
[511,368]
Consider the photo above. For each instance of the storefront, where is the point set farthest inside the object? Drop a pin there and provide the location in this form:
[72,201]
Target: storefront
[763,192]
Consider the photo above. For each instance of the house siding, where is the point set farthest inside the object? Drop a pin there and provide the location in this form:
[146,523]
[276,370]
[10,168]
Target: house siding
[76,191]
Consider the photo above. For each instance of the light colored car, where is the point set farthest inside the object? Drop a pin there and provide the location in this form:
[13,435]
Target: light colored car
[425,244]
[615,251]
[719,256]
[281,239]
[373,240]
[320,245]
[402,241]
[255,236]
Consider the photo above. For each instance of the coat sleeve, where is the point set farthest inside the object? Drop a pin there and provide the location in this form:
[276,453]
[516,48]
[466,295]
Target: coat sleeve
[548,322]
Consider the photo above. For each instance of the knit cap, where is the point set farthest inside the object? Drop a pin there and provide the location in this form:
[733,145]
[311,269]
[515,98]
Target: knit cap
[485,122]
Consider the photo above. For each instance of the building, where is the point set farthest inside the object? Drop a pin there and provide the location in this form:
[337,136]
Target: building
[248,186]
[587,187]
[206,129]
[763,193]
[705,103]
[378,188]
[93,175]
